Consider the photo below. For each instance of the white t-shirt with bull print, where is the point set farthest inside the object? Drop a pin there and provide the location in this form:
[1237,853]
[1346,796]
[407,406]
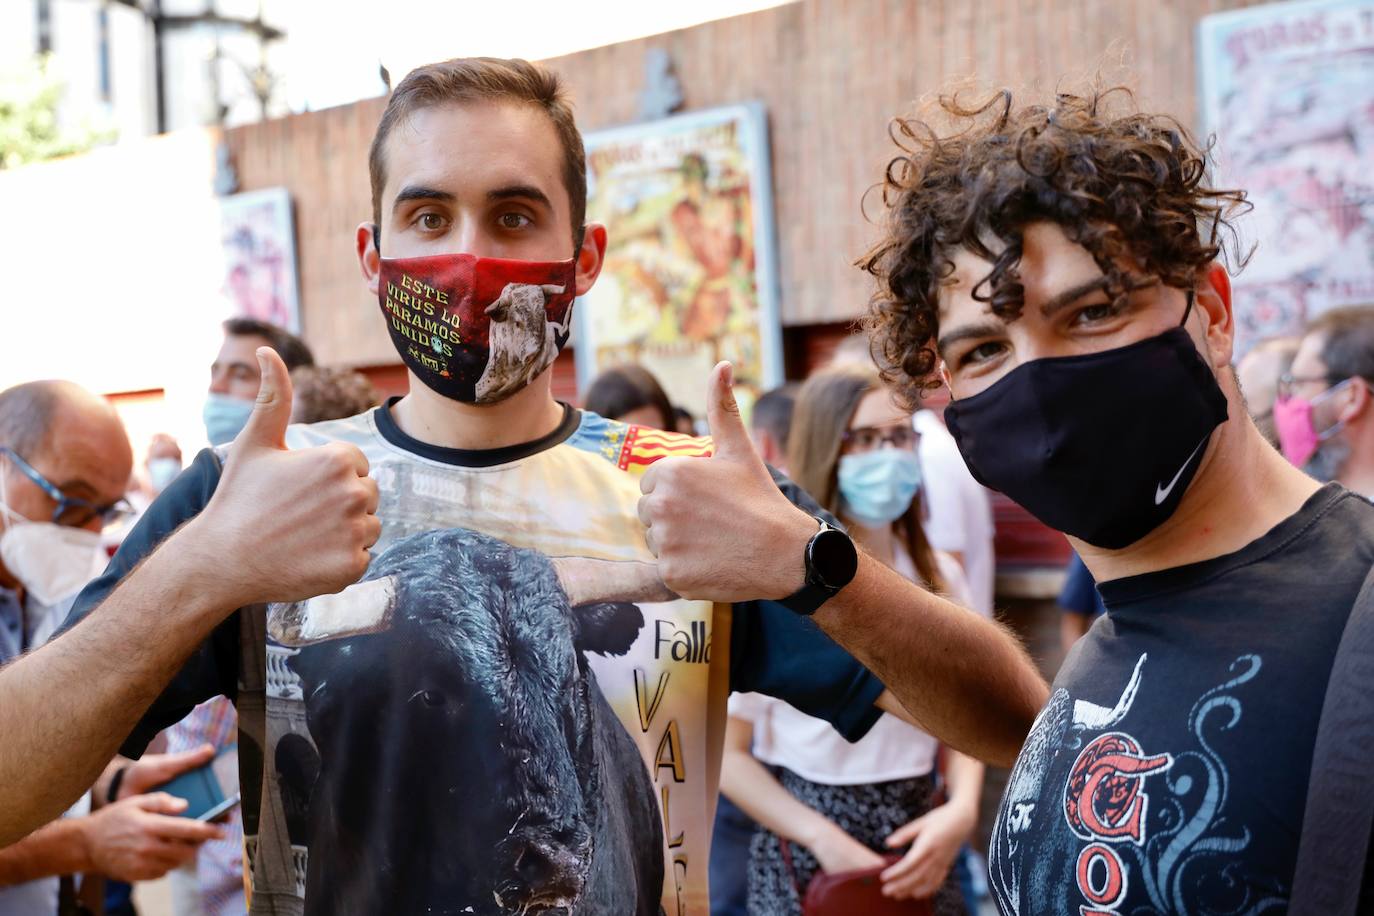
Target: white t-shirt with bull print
[505,715]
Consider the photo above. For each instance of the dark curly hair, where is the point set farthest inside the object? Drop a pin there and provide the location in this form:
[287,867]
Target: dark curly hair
[1131,188]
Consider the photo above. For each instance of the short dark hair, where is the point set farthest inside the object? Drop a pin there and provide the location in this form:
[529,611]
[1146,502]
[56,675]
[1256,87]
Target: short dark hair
[1348,347]
[1126,185]
[327,393]
[289,347]
[773,413]
[622,389]
[470,79]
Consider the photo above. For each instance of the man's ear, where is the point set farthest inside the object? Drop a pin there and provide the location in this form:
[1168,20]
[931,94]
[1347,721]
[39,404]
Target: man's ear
[1359,400]
[766,446]
[590,256]
[1212,302]
[369,258]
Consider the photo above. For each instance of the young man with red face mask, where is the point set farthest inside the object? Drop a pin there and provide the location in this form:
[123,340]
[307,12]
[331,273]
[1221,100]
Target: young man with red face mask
[510,713]
[1056,267]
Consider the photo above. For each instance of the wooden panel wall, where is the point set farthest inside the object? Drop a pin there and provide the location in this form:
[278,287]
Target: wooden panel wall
[831,74]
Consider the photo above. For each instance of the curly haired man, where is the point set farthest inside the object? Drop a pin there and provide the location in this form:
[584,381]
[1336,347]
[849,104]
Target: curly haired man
[1058,268]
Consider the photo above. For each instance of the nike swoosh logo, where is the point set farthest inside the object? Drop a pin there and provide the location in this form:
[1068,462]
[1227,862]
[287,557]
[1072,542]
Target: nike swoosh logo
[1162,493]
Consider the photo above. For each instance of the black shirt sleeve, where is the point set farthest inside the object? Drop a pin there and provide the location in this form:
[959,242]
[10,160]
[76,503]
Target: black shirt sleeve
[784,655]
[213,668]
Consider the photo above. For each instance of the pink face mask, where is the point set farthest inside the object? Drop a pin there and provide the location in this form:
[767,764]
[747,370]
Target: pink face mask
[1298,436]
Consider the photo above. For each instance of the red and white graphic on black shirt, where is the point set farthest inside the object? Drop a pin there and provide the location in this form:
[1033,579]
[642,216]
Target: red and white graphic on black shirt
[1105,801]
[1139,830]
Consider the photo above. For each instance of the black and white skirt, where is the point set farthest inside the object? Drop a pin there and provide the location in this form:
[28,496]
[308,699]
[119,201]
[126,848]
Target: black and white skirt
[868,813]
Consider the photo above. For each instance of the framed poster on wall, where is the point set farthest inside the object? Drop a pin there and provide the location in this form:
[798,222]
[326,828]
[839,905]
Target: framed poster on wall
[258,238]
[1288,90]
[690,276]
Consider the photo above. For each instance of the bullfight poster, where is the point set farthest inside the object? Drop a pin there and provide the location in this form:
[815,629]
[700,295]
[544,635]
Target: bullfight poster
[1288,90]
[690,276]
[258,239]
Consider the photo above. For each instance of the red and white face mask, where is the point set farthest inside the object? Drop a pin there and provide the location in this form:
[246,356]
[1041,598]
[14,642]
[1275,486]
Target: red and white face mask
[477,330]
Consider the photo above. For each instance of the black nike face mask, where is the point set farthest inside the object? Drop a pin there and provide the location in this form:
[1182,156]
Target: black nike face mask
[1101,446]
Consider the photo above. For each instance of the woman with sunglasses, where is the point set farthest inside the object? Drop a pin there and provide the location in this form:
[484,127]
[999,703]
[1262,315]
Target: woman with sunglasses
[836,806]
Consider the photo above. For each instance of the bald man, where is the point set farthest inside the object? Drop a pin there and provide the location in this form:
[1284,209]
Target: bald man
[64,463]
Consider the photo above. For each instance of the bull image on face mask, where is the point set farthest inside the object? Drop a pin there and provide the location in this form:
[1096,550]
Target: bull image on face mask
[468,761]
[523,341]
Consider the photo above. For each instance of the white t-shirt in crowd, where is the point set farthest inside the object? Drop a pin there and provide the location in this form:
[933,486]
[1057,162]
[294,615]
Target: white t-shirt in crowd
[813,750]
[959,510]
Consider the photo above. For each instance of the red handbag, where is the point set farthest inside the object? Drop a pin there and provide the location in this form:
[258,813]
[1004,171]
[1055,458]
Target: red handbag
[846,893]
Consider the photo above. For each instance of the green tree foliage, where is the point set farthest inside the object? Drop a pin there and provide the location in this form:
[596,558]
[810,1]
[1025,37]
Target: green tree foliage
[30,129]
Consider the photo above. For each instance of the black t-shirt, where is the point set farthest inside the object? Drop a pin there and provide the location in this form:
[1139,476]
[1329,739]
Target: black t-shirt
[1168,772]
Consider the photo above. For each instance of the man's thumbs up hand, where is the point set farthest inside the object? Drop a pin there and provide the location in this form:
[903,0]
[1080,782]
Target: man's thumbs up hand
[266,427]
[730,439]
[285,525]
[721,529]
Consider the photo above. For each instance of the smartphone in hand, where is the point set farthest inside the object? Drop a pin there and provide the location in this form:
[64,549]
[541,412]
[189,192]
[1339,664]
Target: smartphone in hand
[211,791]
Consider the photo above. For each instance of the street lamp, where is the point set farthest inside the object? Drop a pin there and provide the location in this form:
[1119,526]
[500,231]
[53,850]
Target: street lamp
[260,78]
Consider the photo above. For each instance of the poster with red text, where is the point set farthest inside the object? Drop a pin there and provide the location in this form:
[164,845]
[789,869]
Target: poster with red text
[1288,90]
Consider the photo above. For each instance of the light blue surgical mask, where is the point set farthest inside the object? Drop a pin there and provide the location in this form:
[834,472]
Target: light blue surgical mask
[877,487]
[225,417]
[162,471]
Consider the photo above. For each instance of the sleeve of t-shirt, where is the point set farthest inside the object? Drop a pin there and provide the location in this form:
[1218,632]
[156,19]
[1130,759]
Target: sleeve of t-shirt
[750,706]
[956,583]
[784,655]
[213,668]
[946,527]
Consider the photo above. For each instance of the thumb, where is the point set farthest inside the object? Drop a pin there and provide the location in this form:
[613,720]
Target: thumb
[166,766]
[266,427]
[906,833]
[160,803]
[730,440]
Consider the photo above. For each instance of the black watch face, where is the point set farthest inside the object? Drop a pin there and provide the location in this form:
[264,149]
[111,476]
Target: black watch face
[833,558]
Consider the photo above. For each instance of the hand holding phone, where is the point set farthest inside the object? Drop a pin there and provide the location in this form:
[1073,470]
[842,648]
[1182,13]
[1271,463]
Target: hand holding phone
[211,791]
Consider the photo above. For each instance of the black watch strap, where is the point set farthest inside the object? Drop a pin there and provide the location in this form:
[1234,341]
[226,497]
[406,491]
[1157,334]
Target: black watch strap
[807,599]
[831,563]
[112,792]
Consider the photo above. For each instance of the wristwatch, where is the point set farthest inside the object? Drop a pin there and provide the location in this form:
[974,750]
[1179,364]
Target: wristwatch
[831,563]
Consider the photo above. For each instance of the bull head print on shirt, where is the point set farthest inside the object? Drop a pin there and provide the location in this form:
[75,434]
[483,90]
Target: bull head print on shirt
[467,755]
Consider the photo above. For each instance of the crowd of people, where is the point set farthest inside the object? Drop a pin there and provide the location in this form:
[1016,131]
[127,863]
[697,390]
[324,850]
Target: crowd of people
[68,489]
[476,650]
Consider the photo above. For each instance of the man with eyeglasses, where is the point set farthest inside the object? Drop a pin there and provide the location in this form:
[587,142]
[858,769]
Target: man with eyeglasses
[1325,408]
[64,463]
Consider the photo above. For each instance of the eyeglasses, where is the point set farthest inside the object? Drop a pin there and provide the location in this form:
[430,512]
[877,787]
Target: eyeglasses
[1288,380]
[868,438]
[71,512]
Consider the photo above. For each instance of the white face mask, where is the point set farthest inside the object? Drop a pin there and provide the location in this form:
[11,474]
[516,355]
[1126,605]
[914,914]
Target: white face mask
[162,471]
[52,562]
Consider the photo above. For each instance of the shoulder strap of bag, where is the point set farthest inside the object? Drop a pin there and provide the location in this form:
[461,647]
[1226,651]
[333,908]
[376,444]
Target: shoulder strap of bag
[1339,815]
[786,849]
